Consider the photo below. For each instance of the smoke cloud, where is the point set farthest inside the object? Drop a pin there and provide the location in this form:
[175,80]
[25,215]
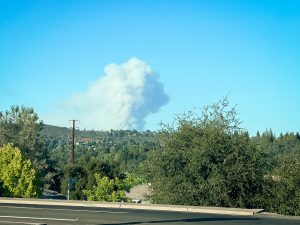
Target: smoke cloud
[120,99]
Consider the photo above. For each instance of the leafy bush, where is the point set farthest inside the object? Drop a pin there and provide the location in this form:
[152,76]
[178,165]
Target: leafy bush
[109,190]
[17,176]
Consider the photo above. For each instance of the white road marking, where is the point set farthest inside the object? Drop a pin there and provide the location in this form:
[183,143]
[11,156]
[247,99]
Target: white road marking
[69,210]
[8,222]
[11,222]
[38,218]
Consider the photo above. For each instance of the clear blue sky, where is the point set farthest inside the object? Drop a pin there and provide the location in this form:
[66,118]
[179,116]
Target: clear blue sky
[202,50]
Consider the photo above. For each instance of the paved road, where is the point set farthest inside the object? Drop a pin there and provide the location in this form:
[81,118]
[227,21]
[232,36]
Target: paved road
[58,215]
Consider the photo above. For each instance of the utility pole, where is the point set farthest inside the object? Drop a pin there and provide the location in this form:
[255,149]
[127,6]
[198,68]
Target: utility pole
[73,140]
[72,180]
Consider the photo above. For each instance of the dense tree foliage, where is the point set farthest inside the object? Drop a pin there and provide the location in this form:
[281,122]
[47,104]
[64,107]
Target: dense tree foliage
[109,154]
[287,188]
[17,176]
[284,196]
[201,160]
[210,160]
[207,160]
[109,190]
[21,126]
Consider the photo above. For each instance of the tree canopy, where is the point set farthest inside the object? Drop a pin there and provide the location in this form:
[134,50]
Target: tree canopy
[207,160]
[17,175]
[110,190]
[21,126]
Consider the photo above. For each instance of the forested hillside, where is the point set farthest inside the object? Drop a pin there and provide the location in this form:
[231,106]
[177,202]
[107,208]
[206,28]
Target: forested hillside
[126,148]
[200,160]
[108,153]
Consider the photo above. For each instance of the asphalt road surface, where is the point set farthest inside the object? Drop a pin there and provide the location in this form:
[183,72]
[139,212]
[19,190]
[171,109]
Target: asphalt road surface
[13,214]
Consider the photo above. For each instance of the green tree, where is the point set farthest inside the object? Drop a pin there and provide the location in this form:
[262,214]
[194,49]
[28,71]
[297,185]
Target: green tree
[207,160]
[21,127]
[17,176]
[108,190]
[286,185]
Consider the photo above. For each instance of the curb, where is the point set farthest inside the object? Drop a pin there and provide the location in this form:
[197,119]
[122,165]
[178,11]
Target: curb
[173,208]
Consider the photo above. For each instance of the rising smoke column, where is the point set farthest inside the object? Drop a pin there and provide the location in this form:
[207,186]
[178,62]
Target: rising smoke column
[121,98]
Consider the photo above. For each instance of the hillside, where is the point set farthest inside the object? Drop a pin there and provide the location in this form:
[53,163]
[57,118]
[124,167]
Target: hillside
[122,150]
[91,136]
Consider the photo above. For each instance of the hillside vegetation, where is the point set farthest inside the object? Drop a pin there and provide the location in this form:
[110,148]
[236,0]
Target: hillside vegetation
[205,159]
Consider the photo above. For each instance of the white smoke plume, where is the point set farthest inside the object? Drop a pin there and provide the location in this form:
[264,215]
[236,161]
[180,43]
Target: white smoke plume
[121,98]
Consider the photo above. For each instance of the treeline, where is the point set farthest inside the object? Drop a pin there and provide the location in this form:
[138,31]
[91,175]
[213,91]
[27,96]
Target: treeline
[111,154]
[99,155]
[209,160]
[205,159]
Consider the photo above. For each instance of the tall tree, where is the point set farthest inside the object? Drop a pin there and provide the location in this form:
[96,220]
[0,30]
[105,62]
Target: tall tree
[21,126]
[207,160]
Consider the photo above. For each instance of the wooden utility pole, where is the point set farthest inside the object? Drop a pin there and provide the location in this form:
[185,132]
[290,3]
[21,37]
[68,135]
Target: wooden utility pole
[70,179]
[73,142]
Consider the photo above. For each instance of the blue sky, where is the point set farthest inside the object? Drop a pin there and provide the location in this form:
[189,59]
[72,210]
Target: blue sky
[202,51]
